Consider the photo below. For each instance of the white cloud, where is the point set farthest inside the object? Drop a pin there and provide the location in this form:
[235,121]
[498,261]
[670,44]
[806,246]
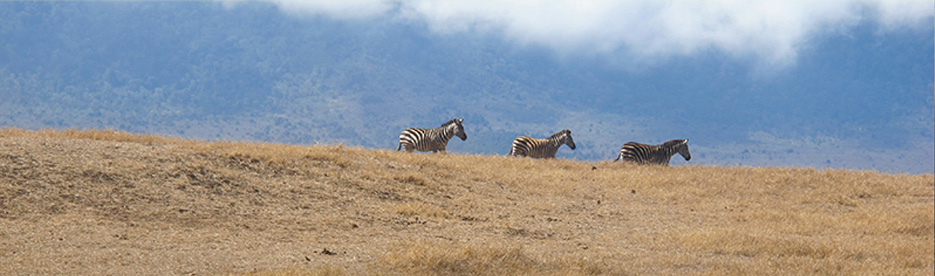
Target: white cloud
[343,9]
[770,31]
[904,13]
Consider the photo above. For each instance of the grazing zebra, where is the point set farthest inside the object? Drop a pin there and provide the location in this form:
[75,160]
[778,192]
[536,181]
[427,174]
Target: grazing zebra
[541,148]
[654,154]
[431,139]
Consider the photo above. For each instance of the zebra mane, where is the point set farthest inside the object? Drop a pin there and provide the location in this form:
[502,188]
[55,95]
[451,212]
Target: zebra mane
[559,134]
[673,143]
[453,121]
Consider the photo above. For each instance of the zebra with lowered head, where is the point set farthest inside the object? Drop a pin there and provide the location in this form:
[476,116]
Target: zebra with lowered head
[654,154]
[541,148]
[431,139]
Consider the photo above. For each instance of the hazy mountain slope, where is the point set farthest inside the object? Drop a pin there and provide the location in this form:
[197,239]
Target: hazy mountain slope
[251,72]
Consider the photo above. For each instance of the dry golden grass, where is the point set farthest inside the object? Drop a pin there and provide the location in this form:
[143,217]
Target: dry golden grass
[104,202]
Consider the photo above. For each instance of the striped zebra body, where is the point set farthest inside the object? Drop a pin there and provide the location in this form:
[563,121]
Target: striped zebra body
[654,154]
[431,139]
[541,148]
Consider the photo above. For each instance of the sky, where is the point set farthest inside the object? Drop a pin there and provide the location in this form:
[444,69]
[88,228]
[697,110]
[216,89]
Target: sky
[768,33]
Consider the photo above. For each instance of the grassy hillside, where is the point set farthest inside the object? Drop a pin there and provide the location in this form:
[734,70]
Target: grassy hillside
[100,202]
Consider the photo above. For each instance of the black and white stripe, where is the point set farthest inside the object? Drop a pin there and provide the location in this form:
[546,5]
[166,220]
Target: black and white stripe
[431,139]
[541,148]
[654,154]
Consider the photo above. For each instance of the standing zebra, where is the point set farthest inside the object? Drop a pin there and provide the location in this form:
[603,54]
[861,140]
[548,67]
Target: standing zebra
[541,148]
[654,154]
[431,139]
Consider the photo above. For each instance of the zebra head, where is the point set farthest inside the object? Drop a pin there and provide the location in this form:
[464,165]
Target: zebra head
[682,149]
[566,138]
[454,126]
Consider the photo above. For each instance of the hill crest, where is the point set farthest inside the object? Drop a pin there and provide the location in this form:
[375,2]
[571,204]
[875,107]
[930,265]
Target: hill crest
[81,202]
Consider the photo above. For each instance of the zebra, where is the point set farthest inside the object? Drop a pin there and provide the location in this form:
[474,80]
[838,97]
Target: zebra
[654,154]
[431,139]
[541,148]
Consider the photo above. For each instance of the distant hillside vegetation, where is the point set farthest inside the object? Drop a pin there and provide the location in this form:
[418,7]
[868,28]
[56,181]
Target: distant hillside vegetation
[250,71]
[104,202]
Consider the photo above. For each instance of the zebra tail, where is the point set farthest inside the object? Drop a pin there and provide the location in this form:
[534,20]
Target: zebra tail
[618,157]
[399,146]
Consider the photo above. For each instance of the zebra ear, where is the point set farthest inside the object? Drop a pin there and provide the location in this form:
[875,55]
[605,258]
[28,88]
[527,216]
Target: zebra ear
[685,141]
[461,121]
